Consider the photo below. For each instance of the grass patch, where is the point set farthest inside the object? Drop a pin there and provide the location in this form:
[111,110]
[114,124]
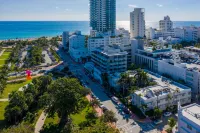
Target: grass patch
[2,111]
[16,77]
[80,117]
[13,87]
[4,57]
[76,118]
[54,120]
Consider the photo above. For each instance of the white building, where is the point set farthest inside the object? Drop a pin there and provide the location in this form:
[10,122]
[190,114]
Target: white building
[137,23]
[150,33]
[110,59]
[121,38]
[179,32]
[147,57]
[65,39]
[77,48]
[166,25]
[182,66]
[191,33]
[189,119]
[158,95]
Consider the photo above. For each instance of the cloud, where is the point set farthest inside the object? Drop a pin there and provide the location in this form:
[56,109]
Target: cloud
[67,9]
[159,5]
[132,6]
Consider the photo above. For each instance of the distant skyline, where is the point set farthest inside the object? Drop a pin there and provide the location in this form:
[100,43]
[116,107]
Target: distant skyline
[77,10]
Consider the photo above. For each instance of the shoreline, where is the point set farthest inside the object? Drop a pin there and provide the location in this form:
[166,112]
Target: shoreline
[24,39]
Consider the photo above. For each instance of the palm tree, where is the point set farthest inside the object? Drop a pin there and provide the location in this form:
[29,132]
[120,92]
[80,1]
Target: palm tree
[169,98]
[141,77]
[171,123]
[125,81]
[157,112]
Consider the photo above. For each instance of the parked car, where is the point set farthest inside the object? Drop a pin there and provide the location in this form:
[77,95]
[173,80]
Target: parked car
[102,106]
[121,105]
[167,114]
[115,99]
[126,111]
[157,122]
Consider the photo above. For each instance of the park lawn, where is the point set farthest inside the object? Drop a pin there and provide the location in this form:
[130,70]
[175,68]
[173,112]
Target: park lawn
[2,110]
[3,58]
[13,87]
[80,117]
[53,121]
[76,118]
[5,55]
[2,62]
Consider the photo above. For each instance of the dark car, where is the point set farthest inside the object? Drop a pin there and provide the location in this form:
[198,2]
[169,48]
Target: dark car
[126,111]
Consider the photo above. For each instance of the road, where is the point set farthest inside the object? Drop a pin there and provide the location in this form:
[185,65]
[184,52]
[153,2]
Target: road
[122,124]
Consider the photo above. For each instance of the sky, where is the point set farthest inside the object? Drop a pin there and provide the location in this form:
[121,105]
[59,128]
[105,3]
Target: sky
[78,10]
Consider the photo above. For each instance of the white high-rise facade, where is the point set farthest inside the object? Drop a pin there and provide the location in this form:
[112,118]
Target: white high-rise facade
[137,23]
[166,25]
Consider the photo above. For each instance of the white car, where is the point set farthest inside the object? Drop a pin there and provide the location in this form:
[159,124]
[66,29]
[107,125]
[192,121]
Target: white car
[115,99]
[167,114]
[157,122]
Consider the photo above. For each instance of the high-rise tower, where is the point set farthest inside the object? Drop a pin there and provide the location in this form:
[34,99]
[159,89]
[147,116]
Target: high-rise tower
[103,15]
[137,23]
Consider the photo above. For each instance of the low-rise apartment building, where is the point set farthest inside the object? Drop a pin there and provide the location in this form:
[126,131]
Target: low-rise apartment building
[184,67]
[77,48]
[165,94]
[110,59]
[189,119]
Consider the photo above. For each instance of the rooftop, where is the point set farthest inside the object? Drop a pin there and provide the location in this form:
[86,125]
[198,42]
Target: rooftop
[164,87]
[192,112]
[111,51]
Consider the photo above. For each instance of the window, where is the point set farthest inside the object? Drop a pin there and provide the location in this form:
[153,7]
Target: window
[189,127]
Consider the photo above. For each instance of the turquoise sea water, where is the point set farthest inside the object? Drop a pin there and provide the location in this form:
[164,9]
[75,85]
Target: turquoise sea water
[34,29]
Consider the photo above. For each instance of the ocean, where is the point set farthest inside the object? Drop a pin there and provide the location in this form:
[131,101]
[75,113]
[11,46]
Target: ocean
[35,29]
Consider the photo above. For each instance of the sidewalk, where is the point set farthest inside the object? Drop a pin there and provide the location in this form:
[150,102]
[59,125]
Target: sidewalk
[97,108]
[2,52]
[40,122]
[4,100]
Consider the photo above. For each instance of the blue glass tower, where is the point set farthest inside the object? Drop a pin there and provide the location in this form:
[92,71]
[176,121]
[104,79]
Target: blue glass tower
[103,15]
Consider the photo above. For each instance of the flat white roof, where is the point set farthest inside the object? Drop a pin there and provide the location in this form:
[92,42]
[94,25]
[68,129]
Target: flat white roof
[164,87]
[192,112]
